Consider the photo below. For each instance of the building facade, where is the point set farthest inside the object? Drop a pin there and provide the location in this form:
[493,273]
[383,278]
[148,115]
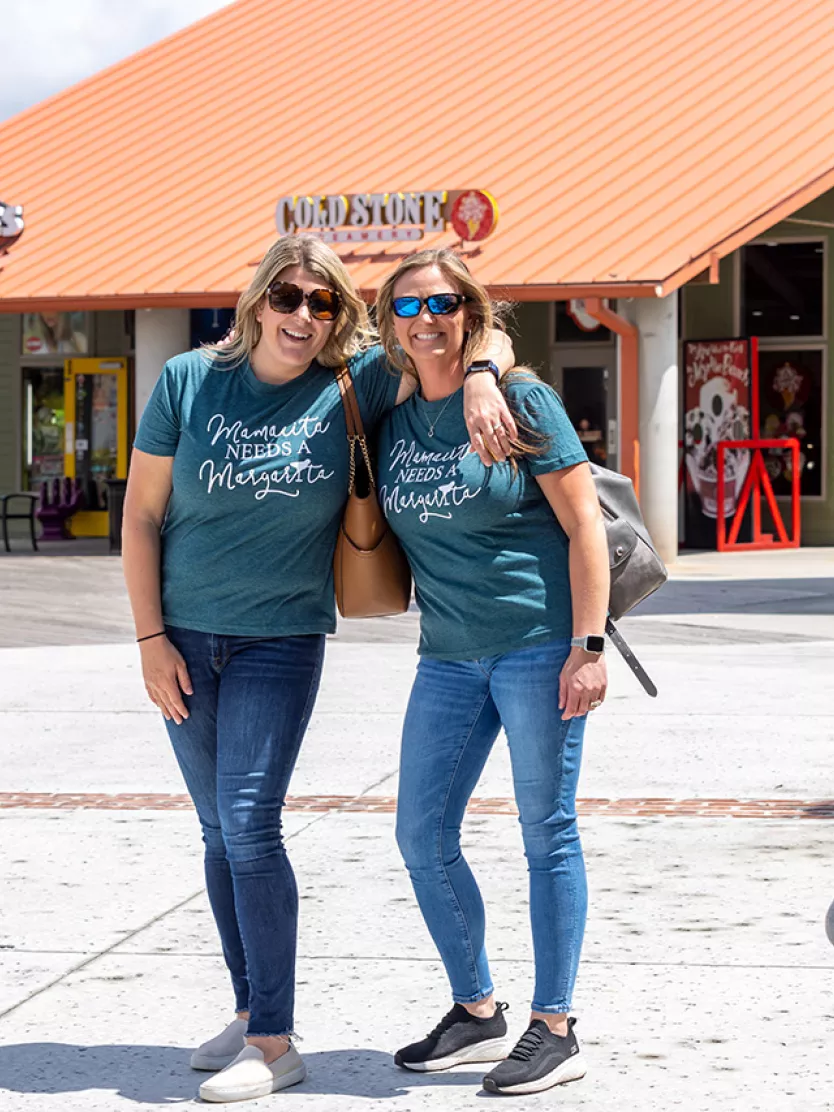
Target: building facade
[651,204]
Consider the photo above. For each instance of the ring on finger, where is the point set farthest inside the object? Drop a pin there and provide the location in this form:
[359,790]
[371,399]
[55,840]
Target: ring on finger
[595,703]
[498,428]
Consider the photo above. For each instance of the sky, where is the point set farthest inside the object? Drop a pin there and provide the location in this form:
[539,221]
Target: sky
[46,45]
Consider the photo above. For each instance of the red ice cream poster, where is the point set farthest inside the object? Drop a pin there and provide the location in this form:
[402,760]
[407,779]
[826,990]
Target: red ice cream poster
[716,407]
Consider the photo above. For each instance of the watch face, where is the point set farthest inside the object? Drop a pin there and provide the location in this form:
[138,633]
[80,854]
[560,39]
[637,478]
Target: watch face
[595,644]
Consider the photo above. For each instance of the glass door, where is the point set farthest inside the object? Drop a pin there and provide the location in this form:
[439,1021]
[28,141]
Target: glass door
[586,380]
[95,435]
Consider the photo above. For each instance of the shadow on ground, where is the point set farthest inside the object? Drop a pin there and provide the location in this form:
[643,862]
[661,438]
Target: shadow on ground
[748,596]
[161,1074]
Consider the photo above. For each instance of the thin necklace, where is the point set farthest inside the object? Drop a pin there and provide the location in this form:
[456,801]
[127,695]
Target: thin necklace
[433,425]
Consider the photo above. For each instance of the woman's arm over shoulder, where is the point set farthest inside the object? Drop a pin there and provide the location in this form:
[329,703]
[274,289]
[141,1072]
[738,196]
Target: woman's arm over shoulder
[377,381]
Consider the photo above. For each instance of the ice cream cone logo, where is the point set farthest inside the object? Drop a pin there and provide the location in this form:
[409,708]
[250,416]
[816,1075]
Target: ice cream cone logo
[474,215]
[787,381]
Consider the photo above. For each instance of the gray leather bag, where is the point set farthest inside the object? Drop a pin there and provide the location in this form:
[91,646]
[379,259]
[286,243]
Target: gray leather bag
[637,570]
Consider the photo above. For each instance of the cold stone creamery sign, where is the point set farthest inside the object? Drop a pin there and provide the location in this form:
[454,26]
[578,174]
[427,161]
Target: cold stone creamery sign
[383,217]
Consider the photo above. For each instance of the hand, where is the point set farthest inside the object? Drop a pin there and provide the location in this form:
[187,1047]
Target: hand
[166,678]
[488,418]
[583,680]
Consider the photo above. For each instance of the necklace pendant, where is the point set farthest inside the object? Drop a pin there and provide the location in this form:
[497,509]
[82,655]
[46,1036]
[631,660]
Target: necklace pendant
[431,430]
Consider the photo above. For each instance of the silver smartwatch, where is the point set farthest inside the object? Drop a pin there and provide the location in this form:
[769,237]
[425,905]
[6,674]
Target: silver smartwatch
[592,643]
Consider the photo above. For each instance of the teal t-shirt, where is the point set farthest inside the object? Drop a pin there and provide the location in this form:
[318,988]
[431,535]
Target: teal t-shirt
[489,557]
[260,479]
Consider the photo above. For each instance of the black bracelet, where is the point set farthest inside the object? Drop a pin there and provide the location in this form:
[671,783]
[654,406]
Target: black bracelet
[150,637]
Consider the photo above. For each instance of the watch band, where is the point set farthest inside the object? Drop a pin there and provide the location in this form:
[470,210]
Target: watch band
[482,365]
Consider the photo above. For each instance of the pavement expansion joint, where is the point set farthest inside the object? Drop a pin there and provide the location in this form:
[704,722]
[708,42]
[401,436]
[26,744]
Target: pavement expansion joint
[91,958]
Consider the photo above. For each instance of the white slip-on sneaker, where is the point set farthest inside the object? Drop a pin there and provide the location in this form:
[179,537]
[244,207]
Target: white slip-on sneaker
[249,1076]
[221,1051]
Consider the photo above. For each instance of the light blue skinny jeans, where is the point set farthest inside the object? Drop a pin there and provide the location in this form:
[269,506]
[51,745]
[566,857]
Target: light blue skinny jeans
[454,715]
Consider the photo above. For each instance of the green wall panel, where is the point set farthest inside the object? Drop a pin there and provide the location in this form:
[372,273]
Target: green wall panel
[9,402]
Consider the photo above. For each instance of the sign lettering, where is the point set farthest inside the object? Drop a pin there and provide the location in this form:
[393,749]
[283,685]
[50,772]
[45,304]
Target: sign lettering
[383,217]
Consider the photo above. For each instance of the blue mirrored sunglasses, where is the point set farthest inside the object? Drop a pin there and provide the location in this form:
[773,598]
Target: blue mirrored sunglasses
[439,304]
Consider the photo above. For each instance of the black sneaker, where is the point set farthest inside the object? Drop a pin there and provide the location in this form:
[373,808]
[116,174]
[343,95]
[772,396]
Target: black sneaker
[459,1038]
[539,1060]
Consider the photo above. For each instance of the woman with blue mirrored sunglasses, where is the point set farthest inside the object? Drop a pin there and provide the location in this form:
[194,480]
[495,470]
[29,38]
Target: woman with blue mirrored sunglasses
[438,304]
[510,567]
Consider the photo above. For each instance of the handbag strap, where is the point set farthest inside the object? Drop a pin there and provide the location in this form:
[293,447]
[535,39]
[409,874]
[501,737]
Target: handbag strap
[355,428]
[630,659]
[353,417]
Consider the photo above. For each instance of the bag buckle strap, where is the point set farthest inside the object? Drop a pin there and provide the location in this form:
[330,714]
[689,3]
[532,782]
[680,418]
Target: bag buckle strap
[631,660]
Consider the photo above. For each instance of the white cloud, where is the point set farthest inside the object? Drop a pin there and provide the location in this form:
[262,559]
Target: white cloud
[46,45]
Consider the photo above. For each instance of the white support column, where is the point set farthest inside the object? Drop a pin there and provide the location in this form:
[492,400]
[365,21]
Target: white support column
[160,334]
[657,320]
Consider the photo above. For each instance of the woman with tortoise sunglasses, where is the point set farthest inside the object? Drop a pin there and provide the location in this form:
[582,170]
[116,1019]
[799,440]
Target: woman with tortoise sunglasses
[238,480]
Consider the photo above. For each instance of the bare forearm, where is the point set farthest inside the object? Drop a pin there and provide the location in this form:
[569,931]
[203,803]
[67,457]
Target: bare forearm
[589,577]
[141,562]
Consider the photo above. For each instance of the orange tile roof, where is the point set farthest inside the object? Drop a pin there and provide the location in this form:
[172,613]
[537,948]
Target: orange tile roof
[625,141]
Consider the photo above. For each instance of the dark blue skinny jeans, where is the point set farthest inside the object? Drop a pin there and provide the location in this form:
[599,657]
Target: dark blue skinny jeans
[253,697]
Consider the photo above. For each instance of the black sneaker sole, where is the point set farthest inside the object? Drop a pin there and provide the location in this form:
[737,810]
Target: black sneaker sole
[572,1069]
[490,1050]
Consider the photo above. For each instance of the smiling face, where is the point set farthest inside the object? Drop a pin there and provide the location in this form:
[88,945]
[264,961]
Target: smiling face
[293,340]
[426,338]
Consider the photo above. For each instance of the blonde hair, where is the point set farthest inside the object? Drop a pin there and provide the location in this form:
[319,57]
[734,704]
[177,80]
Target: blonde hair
[352,331]
[480,310]
[484,315]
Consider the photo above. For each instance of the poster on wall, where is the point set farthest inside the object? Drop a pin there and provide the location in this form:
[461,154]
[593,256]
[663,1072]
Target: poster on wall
[54,333]
[716,406]
[790,404]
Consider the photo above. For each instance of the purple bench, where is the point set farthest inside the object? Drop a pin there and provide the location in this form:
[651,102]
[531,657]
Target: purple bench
[59,500]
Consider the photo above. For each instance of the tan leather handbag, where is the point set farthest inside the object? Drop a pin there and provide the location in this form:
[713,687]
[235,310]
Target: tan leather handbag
[370,571]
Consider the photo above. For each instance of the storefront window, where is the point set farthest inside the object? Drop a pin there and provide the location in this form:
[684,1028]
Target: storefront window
[43,425]
[584,395]
[782,289]
[54,333]
[790,404]
[209,325]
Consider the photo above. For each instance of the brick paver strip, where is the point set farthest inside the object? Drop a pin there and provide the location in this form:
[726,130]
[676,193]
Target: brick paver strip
[621,808]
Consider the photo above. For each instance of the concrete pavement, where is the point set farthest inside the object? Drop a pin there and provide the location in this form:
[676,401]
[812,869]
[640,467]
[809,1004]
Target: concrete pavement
[706,978]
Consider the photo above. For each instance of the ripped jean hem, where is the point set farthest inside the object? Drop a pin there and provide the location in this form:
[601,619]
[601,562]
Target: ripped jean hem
[272,1034]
